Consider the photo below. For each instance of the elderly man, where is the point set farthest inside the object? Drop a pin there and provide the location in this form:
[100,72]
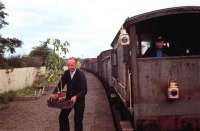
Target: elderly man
[76,91]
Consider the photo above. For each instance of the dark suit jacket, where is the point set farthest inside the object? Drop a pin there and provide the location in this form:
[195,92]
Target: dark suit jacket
[151,52]
[75,86]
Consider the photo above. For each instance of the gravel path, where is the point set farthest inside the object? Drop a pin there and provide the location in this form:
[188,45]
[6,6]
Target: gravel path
[34,115]
[29,116]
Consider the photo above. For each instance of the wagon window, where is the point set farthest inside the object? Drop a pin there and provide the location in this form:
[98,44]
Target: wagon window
[180,31]
[145,45]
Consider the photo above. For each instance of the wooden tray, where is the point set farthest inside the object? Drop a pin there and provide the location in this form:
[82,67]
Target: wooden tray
[64,104]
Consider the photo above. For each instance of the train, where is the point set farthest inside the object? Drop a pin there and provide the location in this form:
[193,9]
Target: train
[159,93]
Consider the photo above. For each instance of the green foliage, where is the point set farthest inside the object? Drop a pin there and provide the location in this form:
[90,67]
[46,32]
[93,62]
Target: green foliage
[54,63]
[6,44]
[40,80]
[28,61]
[9,44]
[12,62]
[2,15]
[19,62]
[53,67]
[41,51]
[25,91]
[7,97]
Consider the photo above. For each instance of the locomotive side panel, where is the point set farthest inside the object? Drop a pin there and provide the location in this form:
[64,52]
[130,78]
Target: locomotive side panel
[121,86]
[153,101]
[109,74]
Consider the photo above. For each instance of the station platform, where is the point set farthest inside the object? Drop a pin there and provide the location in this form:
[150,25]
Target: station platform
[35,115]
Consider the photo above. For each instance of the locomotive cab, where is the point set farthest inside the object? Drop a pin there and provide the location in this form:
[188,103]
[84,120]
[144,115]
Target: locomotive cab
[164,89]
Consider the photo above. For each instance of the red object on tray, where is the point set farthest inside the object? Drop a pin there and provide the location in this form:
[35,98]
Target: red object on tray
[60,101]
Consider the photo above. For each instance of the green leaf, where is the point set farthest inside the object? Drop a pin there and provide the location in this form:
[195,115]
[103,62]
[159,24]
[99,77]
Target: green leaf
[54,63]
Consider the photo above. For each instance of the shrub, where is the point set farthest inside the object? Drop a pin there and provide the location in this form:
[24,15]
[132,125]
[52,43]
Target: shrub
[7,97]
[25,91]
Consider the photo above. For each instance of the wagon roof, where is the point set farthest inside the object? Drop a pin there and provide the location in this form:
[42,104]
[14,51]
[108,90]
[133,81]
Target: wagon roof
[105,53]
[162,12]
[157,13]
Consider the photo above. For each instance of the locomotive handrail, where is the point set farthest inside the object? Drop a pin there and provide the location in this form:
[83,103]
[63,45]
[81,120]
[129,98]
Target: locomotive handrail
[121,85]
[107,57]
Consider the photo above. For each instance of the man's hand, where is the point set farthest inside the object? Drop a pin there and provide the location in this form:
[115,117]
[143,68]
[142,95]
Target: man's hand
[52,96]
[73,99]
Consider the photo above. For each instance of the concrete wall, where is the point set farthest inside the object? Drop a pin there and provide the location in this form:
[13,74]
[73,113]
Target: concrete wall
[18,78]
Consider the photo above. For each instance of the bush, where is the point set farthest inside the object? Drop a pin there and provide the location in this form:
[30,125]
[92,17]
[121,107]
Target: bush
[32,61]
[7,97]
[19,62]
[12,62]
[25,91]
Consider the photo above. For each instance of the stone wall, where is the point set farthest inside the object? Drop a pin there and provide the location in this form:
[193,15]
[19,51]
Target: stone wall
[18,78]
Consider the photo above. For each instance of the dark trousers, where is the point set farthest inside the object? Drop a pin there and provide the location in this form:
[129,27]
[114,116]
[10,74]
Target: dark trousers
[78,117]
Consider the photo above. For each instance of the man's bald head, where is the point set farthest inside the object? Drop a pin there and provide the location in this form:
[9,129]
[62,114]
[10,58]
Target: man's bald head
[71,64]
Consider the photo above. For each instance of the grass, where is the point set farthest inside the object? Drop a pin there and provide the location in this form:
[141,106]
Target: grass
[25,91]
[9,96]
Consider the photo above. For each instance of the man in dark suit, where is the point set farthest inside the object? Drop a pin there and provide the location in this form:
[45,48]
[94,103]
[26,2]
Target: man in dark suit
[76,91]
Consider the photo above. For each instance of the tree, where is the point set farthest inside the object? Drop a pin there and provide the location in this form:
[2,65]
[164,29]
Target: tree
[54,63]
[9,44]
[41,51]
[2,15]
[6,44]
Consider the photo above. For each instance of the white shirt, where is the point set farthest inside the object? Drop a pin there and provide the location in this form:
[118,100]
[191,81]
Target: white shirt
[72,74]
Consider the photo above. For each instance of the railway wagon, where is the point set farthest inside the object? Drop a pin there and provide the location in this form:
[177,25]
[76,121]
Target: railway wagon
[104,66]
[161,92]
[90,64]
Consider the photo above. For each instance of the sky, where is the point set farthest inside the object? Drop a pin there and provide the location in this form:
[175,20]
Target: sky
[88,25]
